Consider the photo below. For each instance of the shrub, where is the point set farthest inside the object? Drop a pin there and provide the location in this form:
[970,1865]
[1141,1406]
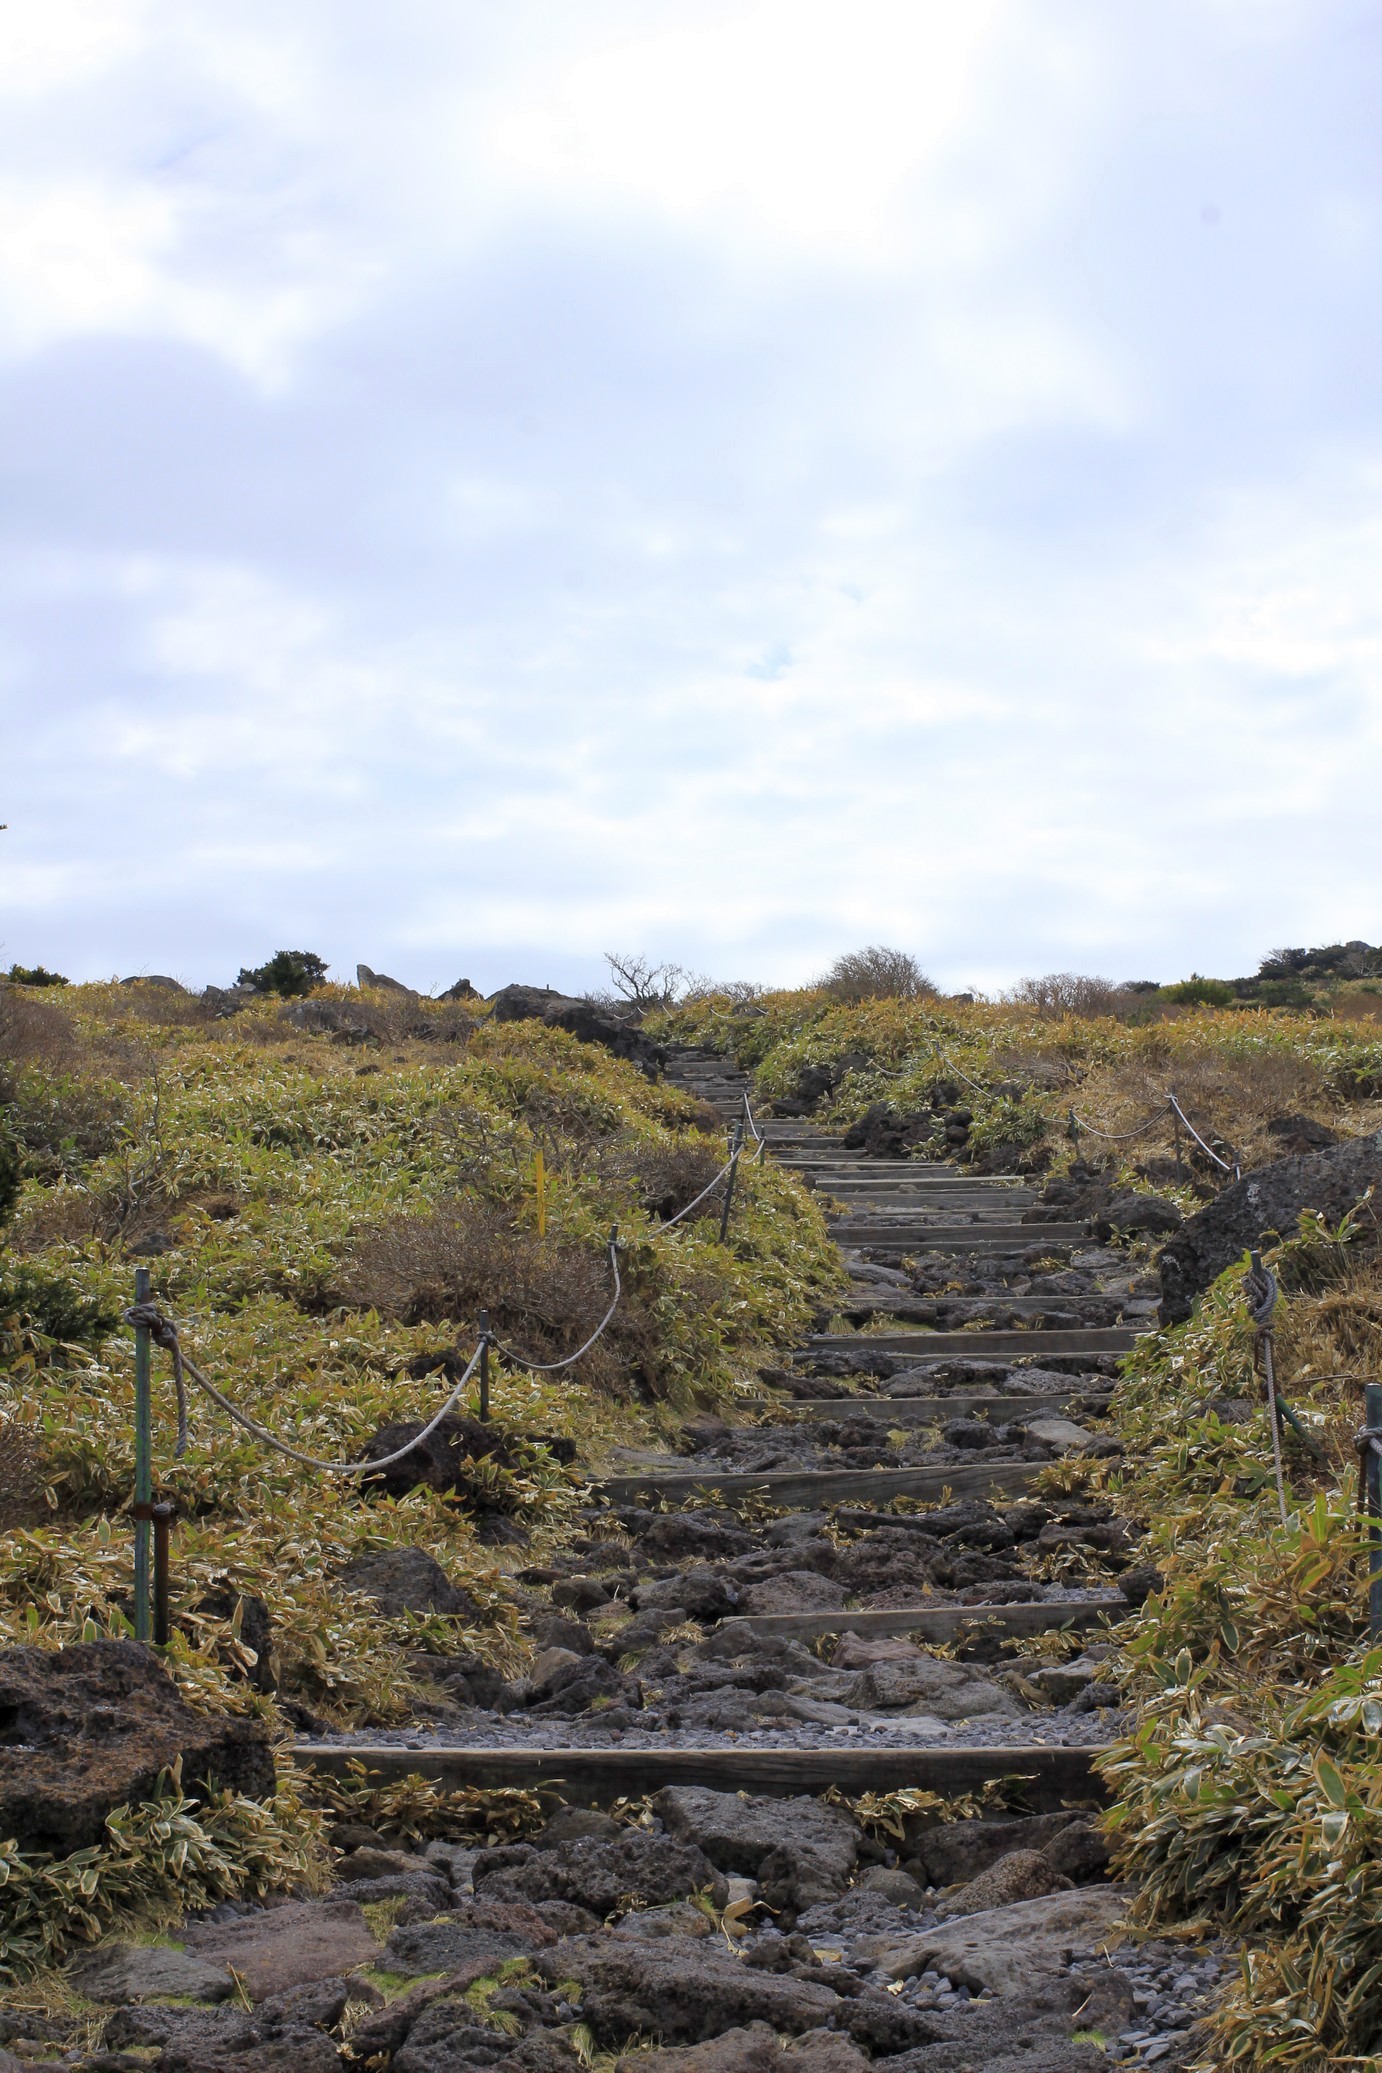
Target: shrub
[30,1031]
[1198,992]
[62,1122]
[448,1265]
[876,973]
[35,975]
[288,972]
[11,1168]
[1070,993]
[39,1300]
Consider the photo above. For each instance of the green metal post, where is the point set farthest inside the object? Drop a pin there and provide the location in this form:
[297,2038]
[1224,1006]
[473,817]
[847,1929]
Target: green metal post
[143,1462]
[1372,1418]
[736,1144]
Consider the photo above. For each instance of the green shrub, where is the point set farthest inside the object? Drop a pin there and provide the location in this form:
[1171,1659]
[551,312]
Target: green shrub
[1197,992]
[35,975]
[288,972]
[43,1301]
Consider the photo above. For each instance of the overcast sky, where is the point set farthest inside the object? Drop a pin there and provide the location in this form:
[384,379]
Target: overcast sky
[730,479]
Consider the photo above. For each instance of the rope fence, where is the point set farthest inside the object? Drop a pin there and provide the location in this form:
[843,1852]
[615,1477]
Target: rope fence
[153,1327]
[1171,1108]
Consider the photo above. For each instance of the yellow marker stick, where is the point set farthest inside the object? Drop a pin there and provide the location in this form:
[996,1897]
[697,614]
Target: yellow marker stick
[540,1182]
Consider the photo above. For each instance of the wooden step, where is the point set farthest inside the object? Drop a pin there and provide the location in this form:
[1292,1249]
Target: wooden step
[933,1623]
[1051,1775]
[978,1345]
[923,1410]
[919,1309]
[883,1237]
[809,1489]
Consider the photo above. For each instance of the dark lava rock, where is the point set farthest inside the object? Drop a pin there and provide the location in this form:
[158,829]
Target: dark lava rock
[1296,1135]
[441,1462]
[1264,1204]
[682,1989]
[296,1945]
[405,1579]
[88,1728]
[591,1026]
[955,1852]
[673,1536]
[636,1870]
[480,1929]
[1147,1213]
[799,1850]
[518,1003]
[883,1133]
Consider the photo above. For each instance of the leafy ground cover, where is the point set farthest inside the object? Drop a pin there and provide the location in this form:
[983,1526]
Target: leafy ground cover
[325,1218]
[1016,1073]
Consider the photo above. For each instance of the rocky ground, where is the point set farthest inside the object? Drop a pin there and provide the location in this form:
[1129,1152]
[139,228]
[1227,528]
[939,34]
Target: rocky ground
[716,1931]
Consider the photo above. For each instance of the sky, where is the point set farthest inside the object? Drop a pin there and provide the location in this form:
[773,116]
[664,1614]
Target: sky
[729,480]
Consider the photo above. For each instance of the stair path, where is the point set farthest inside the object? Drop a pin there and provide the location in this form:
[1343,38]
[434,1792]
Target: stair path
[889,1208]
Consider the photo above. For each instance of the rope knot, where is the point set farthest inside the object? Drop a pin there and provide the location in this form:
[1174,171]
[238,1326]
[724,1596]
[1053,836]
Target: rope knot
[1260,1292]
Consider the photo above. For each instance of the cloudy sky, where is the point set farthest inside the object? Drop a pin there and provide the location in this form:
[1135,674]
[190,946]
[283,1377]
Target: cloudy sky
[730,479]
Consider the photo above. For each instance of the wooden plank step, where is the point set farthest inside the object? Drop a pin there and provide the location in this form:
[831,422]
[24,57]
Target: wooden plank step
[933,1623]
[806,1489]
[922,1410]
[1053,1774]
[978,1345]
[921,1309]
[883,1237]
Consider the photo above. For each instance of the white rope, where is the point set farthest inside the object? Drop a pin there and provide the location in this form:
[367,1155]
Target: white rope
[1234,1168]
[269,1439]
[549,1367]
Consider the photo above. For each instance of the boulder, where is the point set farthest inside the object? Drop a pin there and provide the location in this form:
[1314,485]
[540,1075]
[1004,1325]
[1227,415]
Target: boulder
[932,1685]
[673,1536]
[1266,1204]
[799,1850]
[441,1462]
[1060,1433]
[956,1851]
[624,1039]
[577,1825]
[296,1945]
[756,2049]
[701,1592]
[1021,1875]
[461,991]
[479,1930]
[1010,1949]
[1082,1851]
[687,1990]
[403,1579]
[794,1590]
[118,1972]
[1132,1212]
[380,982]
[517,1003]
[635,1870]
[1296,1135]
[91,1727]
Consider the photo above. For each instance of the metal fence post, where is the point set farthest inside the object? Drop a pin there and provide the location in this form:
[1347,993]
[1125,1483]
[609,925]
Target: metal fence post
[163,1514]
[143,1461]
[484,1367]
[1371,1467]
[736,1145]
